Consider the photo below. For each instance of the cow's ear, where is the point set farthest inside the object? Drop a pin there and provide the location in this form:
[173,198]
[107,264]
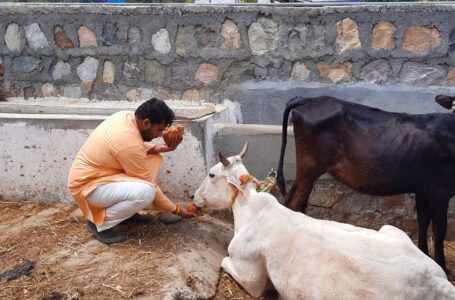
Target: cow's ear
[234,181]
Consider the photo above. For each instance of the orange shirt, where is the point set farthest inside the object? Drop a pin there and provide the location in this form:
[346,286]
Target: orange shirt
[114,152]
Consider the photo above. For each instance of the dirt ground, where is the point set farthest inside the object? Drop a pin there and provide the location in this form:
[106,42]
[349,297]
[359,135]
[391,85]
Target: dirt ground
[70,264]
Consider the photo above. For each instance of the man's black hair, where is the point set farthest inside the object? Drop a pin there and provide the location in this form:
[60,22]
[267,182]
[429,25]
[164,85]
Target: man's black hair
[156,111]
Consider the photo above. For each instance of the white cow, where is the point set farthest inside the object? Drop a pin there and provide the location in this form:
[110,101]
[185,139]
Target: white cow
[306,258]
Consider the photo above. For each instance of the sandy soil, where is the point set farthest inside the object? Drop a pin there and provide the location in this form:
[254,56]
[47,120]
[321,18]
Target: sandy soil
[70,264]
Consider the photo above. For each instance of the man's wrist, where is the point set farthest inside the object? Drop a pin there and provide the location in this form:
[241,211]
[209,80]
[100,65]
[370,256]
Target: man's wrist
[176,210]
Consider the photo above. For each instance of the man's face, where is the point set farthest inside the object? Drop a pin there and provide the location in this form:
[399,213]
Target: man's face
[151,130]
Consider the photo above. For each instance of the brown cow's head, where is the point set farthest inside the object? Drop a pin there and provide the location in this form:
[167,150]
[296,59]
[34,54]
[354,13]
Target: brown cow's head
[446,101]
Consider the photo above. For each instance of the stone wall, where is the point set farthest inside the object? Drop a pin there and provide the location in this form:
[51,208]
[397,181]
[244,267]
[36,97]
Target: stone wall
[200,52]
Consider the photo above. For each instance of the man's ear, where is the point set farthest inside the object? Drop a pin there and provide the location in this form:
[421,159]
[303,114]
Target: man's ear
[146,124]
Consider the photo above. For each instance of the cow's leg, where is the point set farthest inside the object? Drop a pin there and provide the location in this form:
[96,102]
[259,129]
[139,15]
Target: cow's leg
[439,206]
[308,170]
[250,274]
[423,219]
[297,198]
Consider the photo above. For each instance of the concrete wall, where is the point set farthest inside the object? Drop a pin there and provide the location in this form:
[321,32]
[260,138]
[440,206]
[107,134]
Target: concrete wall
[38,150]
[201,52]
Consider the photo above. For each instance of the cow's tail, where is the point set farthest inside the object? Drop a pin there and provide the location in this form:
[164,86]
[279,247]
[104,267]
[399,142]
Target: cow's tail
[280,176]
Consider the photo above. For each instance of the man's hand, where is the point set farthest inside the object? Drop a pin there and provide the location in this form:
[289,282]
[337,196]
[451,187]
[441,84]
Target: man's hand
[165,148]
[183,212]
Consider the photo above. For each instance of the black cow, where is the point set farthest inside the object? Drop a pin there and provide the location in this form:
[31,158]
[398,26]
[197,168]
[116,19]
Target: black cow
[377,153]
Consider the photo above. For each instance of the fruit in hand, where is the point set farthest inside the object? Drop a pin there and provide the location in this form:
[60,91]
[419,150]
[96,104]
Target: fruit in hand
[173,133]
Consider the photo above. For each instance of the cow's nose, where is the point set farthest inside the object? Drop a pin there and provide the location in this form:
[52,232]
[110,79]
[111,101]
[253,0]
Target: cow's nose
[192,197]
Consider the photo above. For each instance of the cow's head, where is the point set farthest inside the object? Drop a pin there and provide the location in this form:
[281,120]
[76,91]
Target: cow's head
[446,101]
[223,178]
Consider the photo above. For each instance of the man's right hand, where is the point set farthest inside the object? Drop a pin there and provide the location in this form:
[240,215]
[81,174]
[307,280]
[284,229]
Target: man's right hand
[183,212]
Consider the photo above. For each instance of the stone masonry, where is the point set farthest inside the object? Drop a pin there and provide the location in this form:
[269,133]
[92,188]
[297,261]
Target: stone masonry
[190,52]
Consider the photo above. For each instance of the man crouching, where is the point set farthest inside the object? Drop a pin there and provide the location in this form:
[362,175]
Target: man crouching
[113,175]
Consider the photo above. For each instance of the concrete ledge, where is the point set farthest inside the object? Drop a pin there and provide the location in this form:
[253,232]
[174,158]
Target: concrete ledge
[184,110]
[264,102]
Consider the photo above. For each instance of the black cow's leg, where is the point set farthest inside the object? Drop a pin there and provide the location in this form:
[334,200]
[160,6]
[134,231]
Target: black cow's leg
[423,219]
[297,198]
[439,206]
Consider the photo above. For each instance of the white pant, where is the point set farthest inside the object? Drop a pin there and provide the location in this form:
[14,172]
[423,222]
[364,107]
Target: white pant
[121,200]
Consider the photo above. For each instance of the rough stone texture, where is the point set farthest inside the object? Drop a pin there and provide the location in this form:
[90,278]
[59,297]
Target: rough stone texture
[452,41]
[61,70]
[61,39]
[72,92]
[160,41]
[319,41]
[207,74]
[48,90]
[248,44]
[131,70]
[377,71]
[86,87]
[300,72]
[155,72]
[231,35]
[348,35]
[297,40]
[238,72]
[87,70]
[383,36]
[133,95]
[185,41]
[35,37]
[335,72]
[109,72]
[110,34]
[192,95]
[163,94]
[207,37]
[263,36]
[13,37]
[29,92]
[134,35]
[451,75]
[26,64]
[422,74]
[421,39]
[2,68]
[9,89]
[86,37]
[181,72]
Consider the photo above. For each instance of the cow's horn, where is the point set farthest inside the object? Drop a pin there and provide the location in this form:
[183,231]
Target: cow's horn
[242,153]
[223,160]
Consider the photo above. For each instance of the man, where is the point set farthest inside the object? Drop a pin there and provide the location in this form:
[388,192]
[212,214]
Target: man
[113,175]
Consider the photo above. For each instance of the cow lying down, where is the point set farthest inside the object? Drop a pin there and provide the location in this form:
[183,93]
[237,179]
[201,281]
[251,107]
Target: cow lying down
[306,258]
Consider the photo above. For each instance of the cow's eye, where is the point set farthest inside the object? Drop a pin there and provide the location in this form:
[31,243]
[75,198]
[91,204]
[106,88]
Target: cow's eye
[211,175]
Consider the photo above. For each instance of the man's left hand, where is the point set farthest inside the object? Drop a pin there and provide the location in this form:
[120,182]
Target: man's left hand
[164,148]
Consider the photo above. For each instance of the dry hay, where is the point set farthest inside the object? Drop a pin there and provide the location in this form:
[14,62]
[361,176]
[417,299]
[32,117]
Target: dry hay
[70,264]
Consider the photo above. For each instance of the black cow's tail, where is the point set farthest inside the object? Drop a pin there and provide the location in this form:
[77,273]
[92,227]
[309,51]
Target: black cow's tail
[289,107]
